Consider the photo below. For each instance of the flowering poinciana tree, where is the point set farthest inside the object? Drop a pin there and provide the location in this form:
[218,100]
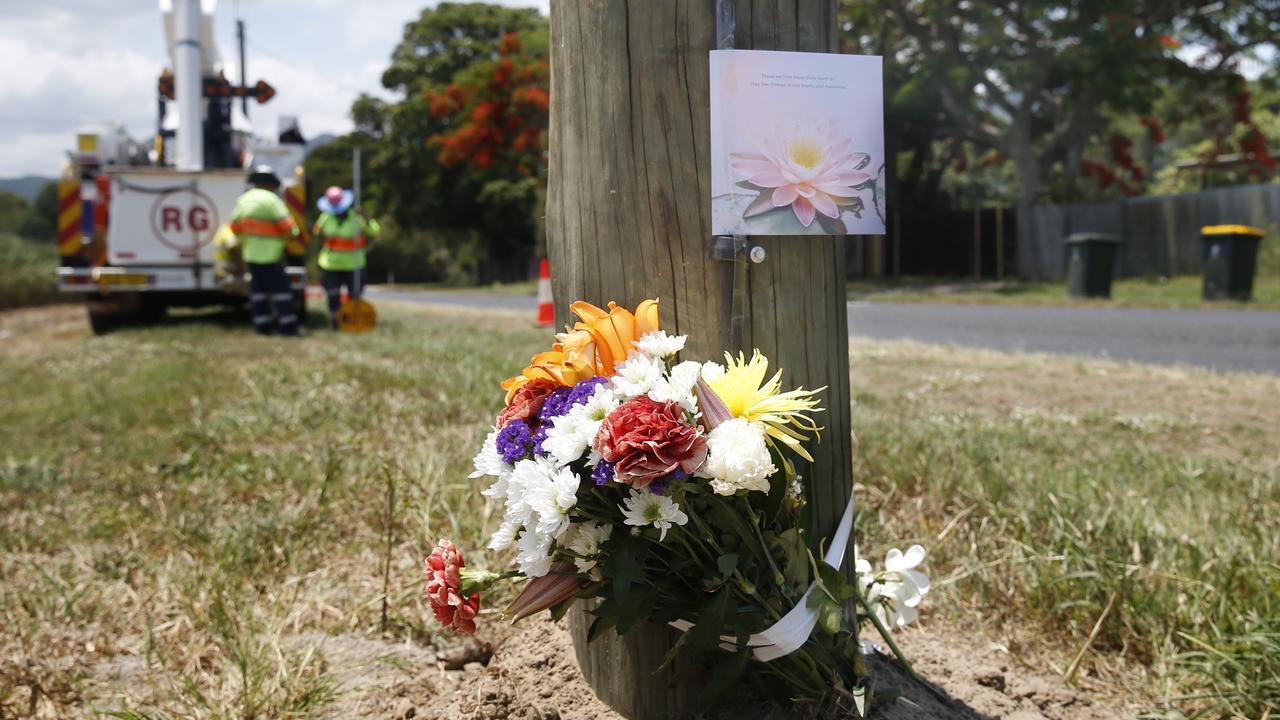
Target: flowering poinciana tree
[496,112]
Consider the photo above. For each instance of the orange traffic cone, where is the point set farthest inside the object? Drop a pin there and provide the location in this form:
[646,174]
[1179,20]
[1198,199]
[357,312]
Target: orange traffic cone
[546,306]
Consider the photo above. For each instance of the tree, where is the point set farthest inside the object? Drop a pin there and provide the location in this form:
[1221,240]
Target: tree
[13,211]
[1039,82]
[422,172]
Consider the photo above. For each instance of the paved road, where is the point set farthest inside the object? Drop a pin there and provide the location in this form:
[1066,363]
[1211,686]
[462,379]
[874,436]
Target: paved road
[1218,339]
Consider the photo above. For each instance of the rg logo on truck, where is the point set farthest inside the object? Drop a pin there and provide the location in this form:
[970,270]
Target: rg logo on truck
[184,219]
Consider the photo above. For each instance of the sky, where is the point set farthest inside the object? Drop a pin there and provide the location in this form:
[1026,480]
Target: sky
[71,63]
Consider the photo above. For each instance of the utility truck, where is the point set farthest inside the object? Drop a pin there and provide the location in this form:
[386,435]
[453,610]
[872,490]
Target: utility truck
[137,224]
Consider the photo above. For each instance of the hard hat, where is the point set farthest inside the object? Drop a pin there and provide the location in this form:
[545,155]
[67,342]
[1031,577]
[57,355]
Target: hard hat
[264,175]
[335,200]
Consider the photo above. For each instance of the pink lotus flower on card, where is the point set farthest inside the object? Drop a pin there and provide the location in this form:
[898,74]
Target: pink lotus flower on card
[805,165]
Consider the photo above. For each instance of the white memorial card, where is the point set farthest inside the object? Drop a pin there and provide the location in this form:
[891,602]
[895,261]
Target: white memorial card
[797,143]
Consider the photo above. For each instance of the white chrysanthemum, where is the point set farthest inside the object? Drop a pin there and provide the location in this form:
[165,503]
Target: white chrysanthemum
[505,536]
[659,345]
[738,458]
[712,371]
[527,477]
[571,434]
[489,461]
[533,553]
[586,544]
[678,386]
[645,508]
[636,376]
[597,407]
[552,500]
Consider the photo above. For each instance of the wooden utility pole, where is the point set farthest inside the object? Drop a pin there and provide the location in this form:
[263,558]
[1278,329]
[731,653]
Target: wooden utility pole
[628,218]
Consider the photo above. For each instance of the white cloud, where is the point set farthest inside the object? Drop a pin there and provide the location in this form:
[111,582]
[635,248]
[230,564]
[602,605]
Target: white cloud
[74,62]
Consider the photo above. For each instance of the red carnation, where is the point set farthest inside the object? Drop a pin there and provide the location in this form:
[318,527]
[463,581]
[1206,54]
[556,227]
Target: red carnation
[444,581]
[646,440]
[527,402]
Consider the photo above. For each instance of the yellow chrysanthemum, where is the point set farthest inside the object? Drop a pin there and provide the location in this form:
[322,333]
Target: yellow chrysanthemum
[785,415]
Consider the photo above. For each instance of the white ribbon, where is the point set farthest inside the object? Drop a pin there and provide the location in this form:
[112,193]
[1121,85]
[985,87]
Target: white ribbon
[788,634]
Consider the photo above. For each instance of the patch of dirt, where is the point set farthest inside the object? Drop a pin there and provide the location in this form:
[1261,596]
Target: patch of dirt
[32,331]
[533,675]
[971,678]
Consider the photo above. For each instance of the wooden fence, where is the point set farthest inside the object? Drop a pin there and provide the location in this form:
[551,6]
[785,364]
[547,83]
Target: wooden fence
[1161,234]
[942,243]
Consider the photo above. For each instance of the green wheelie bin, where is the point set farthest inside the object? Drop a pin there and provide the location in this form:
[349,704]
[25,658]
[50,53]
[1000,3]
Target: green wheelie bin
[1229,257]
[1091,263]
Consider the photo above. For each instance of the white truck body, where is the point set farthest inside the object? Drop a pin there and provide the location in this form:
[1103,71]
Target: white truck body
[160,228]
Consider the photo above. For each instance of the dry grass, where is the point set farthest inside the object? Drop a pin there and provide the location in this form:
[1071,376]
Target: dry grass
[194,523]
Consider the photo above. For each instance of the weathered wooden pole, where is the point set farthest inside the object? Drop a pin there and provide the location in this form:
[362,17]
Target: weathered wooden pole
[628,217]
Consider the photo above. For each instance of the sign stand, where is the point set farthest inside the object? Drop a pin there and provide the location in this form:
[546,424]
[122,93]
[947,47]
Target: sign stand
[356,314]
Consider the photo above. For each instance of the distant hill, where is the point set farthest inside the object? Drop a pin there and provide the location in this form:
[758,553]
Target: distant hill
[320,141]
[28,186]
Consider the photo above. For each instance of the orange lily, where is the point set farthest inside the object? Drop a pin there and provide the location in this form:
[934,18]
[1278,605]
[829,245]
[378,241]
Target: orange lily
[615,331]
[593,347]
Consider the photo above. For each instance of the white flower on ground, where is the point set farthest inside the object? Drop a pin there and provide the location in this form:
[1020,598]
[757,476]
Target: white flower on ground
[552,499]
[585,544]
[678,386]
[637,375]
[533,553]
[897,591]
[738,458]
[489,461]
[659,345]
[571,434]
[645,508]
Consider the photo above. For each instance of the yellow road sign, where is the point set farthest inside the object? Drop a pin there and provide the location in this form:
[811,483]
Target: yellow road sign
[357,316]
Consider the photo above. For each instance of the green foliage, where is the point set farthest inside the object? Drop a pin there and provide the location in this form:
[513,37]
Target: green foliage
[448,39]
[13,210]
[1034,87]
[41,221]
[454,224]
[27,272]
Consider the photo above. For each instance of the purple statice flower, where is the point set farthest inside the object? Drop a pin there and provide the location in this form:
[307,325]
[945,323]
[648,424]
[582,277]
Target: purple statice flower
[539,437]
[555,405]
[583,391]
[603,472]
[662,484]
[513,441]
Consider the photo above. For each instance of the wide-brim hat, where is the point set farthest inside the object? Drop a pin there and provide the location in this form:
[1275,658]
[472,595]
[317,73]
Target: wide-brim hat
[341,206]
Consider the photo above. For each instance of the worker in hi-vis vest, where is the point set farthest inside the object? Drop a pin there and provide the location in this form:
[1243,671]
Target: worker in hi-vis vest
[262,224]
[344,234]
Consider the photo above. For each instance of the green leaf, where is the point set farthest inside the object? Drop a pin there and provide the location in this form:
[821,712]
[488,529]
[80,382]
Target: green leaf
[727,563]
[724,676]
[794,555]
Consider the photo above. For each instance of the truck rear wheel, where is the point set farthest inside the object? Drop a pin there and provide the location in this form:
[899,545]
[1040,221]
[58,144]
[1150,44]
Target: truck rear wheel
[103,322]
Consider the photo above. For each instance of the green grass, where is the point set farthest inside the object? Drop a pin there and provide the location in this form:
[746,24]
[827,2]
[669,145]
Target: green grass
[1176,292]
[188,511]
[193,519]
[27,272]
[1048,489]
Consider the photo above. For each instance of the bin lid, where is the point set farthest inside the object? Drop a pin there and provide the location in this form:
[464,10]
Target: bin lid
[1090,237]
[1231,230]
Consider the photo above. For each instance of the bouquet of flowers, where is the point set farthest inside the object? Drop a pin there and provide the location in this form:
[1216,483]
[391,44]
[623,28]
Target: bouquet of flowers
[667,491]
